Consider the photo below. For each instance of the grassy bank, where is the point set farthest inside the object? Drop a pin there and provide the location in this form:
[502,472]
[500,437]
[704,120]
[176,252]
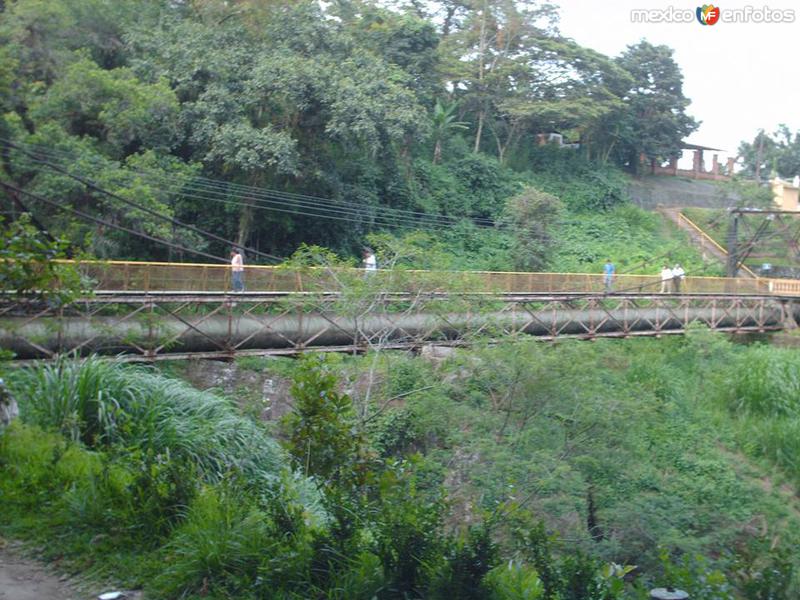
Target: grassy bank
[576,470]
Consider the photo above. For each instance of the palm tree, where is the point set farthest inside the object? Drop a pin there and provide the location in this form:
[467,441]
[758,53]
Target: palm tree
[444,121]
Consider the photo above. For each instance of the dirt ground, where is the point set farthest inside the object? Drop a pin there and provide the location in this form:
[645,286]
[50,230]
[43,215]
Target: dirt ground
[25,579]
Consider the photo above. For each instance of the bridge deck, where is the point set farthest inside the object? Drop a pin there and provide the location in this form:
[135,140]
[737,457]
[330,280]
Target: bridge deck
[211,297]
[152,311]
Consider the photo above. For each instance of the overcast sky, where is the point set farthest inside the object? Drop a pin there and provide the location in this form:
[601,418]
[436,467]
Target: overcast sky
[739,77]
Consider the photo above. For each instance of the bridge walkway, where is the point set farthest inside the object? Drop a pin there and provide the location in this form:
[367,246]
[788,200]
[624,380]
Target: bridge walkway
[154,311]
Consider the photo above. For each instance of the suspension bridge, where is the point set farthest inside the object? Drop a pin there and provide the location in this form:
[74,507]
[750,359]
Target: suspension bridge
[153,311]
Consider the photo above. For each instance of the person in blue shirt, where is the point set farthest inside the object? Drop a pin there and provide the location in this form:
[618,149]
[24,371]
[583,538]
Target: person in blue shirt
[608,274]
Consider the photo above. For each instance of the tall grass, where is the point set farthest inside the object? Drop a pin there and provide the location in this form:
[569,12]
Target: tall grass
[104,404]
[777,439]
[80,400]
[223,540]
[767,382]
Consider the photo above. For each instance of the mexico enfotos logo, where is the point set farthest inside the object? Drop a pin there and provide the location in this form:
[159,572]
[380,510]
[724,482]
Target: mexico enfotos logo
[710,14]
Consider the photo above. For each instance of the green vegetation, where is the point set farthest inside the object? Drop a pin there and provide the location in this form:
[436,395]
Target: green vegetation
[571,471]
[714,221]
[214,114]
[637,241]
[503,472]
[773,154]
[28,267]
[557,231]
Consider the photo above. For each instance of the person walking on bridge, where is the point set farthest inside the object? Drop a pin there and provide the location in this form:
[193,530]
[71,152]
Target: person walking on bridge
[677,277]
[608,275]
[370,262]
[666,280]
[237,270]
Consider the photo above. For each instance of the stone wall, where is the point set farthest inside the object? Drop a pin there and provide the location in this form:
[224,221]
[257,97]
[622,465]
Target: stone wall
[654,191]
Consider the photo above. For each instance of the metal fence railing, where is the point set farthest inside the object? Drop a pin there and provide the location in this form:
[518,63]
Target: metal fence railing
[191,277]
[707,239]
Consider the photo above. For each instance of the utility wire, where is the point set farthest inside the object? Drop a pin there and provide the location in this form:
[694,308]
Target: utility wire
[280,206]
[141,207]
[303,201]
[37,223]
[257,191]
[105,223]
[249,191]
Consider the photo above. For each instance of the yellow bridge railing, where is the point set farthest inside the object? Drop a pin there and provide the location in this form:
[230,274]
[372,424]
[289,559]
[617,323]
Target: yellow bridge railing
[191,277]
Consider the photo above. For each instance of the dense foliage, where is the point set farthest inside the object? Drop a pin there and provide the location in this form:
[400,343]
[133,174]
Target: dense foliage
[497,473]
[30,267]
[278,124]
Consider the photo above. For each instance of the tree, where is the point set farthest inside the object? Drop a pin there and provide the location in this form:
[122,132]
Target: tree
[149,178]
[43,35]
[322,101]
[322,440]
[768,155]
[559,87]
[283,97]
[28,266]
[444,122]
[530,216]
[748,194]
[403,40]
[113,107]
[516,75]
[654,122]
[495,37]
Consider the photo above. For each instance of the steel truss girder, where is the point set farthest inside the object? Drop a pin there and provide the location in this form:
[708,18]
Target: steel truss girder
[161,327]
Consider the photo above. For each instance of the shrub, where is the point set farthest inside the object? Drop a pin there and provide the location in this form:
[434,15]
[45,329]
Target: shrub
[514,581]
[694,575]
[398,433]
[581,184]
[406,531]
[87,491]
[531,216]
[322,435]
[29,471]
[469,560]
[27,265]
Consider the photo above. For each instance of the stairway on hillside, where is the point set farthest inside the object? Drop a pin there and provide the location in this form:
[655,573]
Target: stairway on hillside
[703,241]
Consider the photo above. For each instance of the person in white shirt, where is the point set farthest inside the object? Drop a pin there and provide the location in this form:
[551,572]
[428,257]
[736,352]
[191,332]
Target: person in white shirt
[677,277]
[237,270]
[370,262]
[666,279]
